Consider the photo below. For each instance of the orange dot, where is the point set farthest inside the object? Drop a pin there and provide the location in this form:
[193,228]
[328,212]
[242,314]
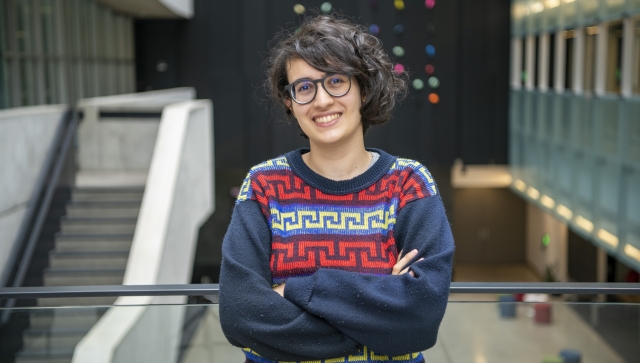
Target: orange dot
[434,98]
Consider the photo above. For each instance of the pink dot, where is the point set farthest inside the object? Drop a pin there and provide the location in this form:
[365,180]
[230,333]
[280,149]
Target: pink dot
[398,68]
[430,4]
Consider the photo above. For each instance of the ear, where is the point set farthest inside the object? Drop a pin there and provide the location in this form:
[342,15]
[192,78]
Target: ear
[289,105]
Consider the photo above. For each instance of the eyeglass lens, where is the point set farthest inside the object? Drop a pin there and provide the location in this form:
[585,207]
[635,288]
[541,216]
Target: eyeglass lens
[335,84]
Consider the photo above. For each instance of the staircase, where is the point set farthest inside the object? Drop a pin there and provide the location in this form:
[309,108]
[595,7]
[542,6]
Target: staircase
[91,249]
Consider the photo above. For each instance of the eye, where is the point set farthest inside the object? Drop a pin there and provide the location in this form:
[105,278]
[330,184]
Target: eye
[304,87]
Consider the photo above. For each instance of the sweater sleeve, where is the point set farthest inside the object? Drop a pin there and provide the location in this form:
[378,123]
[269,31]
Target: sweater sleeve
[394,314]
[252,315]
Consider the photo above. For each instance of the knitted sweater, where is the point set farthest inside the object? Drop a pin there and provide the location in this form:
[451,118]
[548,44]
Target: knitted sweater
[335,243]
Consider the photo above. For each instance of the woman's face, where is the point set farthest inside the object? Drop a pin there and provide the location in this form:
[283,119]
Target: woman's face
[327,119]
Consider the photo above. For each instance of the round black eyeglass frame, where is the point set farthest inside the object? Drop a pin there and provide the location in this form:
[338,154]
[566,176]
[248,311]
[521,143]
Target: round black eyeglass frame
[289,87]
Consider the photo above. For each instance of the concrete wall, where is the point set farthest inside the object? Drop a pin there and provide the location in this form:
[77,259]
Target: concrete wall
[184,8]
[122,144]
[26,134]
[162,9]
[540,223]
[178,198]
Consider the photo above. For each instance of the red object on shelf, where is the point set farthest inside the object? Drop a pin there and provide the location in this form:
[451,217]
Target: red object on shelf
[518,297]
[543,313]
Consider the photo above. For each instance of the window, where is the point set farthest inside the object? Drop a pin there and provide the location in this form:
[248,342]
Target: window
[523,67]
[551,61]
[54,51]
[536,61]
[636,59]
[569,37]
[614,58]
[590,41]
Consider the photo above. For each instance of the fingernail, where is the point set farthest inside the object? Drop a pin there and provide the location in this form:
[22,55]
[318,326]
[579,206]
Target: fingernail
[414,252]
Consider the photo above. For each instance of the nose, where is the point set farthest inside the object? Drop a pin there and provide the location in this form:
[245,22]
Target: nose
[323,98]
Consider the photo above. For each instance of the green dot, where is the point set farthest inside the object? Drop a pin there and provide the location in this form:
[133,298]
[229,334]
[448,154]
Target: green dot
[546,239]
[418,84]
[326,7]
[398,51]
[434,82]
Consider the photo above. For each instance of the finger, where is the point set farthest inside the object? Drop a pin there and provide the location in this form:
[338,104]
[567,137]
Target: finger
[402,262]
[412,274]
[404,271]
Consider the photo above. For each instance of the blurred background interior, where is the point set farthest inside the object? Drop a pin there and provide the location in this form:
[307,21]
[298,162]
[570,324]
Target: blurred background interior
[127,126]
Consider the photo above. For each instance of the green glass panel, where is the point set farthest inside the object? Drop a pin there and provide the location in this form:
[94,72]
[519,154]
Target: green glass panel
[589,10]
[613,9]
[542,113]
[582,129]
[583,169]
[607,112]
[632,197]
[516,17]
[608,174]
[569,12]
[633,6]
[632,134]
[552,15]
[536,9]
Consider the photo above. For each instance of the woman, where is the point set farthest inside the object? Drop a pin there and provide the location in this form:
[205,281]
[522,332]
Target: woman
[310,267]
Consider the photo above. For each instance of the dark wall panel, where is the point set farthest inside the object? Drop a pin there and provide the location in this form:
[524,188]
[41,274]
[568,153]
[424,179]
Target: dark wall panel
[221,51]
[488,226]
[582,259]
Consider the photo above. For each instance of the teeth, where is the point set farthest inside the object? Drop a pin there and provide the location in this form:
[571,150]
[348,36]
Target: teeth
[328,118]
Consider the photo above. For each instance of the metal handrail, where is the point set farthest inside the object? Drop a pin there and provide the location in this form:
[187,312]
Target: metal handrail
[211,291]
[33,206]
[49,183]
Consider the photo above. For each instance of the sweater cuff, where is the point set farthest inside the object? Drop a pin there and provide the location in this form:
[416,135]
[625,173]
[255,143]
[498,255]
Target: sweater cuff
[298,290]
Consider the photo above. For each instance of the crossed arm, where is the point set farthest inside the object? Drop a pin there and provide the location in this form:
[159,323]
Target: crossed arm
[331,313]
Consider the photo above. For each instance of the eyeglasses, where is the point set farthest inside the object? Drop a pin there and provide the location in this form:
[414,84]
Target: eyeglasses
[305,90]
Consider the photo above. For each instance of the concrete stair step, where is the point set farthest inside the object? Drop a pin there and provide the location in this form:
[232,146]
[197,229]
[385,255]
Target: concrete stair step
[103,209]
[82,277]
[98,225]
[107,194]
[66,242]
[88,260]
[62,355]
[76,317]
[56,337]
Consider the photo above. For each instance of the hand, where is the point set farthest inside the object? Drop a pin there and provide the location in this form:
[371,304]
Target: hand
[279,289]
[404,261]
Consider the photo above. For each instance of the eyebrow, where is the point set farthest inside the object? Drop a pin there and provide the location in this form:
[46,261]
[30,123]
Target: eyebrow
[303,79]
[311,79]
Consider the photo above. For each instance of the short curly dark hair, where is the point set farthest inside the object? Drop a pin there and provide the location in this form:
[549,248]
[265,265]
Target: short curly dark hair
[334,43]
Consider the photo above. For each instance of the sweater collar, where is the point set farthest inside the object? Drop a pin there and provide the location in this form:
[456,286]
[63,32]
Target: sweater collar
[329,186]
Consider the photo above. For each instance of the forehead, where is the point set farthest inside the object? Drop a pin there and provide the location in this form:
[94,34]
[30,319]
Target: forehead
[298,68]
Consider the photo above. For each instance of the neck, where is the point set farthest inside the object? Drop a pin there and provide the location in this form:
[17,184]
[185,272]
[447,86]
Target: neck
[338,162]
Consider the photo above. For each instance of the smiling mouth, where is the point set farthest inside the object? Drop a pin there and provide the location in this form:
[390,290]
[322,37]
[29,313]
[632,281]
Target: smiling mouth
[327,119]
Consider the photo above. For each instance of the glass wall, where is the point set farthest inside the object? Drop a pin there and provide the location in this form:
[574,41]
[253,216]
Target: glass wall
[575,151]
[57,51]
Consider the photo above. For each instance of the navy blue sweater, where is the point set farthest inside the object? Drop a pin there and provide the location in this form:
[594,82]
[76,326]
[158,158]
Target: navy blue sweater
[334,244]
